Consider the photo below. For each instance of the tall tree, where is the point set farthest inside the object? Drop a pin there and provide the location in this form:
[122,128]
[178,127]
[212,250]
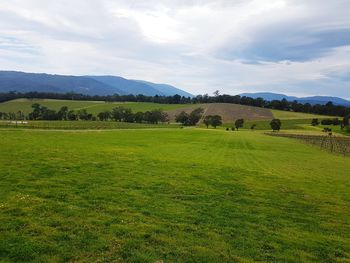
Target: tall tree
[275,124]
[216,120]
[239,123]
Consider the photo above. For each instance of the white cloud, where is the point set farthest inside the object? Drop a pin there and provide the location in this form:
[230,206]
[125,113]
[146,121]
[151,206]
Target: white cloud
[200,46]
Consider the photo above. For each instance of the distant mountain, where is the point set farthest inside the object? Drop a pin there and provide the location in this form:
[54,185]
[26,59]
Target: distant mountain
[166,89]
[90,85]
[126,86]
[312,100]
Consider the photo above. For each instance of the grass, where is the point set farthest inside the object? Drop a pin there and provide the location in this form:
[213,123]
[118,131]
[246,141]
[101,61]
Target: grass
[83,125]
[93,107]
[288,115]
[265,124]
[177,195]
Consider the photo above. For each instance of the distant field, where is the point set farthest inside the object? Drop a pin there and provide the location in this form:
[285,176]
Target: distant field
[279,114]
[176,195]
[93,107]
[83,125]
[229,112]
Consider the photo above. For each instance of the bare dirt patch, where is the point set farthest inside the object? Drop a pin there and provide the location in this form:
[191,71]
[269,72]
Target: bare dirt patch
[228,112]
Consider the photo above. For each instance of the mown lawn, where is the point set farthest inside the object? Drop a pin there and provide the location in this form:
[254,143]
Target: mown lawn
[177,195]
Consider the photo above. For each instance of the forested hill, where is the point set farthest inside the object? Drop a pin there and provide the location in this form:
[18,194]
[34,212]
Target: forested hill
[88,85]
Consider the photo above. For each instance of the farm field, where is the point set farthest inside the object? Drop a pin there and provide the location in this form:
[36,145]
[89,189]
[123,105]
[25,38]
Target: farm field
[93,107]
[176,195]
[285,115]
[229,112]
[82,125]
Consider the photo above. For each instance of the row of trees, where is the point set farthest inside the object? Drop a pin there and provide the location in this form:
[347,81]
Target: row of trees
[327,109]
[336,121]
[120,113]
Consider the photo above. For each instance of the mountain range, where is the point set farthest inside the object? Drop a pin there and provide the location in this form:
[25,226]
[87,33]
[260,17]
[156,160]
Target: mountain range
[312,100]
[89,85]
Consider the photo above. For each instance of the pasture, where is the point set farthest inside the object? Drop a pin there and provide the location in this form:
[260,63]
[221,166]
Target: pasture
[93,107]
[229,112]
[176,195]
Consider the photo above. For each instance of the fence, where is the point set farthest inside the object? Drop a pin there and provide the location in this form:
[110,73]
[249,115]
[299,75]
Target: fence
[331,143]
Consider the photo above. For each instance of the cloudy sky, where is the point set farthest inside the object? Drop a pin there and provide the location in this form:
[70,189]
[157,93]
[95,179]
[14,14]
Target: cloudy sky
[297,47]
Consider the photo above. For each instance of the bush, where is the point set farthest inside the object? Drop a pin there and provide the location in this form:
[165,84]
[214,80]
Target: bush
[327,122]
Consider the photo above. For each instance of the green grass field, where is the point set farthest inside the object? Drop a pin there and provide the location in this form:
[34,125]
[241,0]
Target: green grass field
[288,115]
[177,195]
[83,125]
[93,107]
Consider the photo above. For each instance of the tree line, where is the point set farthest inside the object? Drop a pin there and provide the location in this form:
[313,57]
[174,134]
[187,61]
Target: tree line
[327,109]
[119,113]
[344,123]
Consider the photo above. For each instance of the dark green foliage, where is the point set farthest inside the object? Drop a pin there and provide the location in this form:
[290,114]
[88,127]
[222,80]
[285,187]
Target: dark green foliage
[207,120]
[117,113]
[346,120]
[253,126]
[104,116]
[139,117]
[190,119]
[63,113]
[213,120]
[72,116]
[275,124]
[315,122]
[239,123]
[334,121]
[84,115]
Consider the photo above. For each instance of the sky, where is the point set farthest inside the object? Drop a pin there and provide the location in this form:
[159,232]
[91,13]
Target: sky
[295,47]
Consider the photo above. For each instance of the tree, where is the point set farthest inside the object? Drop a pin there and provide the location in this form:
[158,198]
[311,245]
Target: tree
[195,116]
[183,118]
[63,113]
[239,123]
[275,124]
[118,113]
[346,120]
[128,116]
[315,122]
[216,120]
[19,115]
[104,116]
[190,119]
[35,114]
[71,115]
[84,115]
[139,117]
[327,122]
[207,120]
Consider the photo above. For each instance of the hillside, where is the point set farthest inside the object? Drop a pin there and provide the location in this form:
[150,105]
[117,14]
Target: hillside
[89,85]
[229,112]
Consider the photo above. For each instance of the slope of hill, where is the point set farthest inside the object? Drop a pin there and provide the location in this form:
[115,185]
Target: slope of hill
[166,89]
[93,107]
[229,112]
[128,86]
[90,85]
[25,82]
[312,100]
